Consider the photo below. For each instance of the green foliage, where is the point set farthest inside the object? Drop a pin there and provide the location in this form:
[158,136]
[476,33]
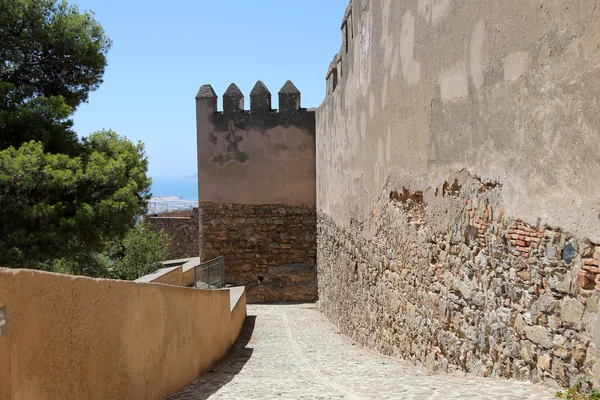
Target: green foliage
[63,200]
[140,253]
[55,206]
[51,56]
[95,265]
[43,119]
[576,392]
[50,49]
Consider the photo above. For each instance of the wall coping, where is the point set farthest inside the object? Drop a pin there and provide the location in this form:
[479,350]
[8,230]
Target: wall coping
[235,294]
[186,218]
[186,264]
[155,275]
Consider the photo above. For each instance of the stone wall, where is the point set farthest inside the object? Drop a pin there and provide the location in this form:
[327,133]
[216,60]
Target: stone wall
[448,280]
[505,92]
[271,249]
[183,229]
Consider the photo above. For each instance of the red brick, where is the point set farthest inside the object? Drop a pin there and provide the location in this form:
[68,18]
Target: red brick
[521,243]
[591,261]
[585,280]
[592,269]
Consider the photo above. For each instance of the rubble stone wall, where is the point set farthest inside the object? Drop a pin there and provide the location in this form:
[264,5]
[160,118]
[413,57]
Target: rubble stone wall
[183,231]
[448,280]
[269,248]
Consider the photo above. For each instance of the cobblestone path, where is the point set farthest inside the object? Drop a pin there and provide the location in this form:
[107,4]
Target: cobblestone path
[293,352]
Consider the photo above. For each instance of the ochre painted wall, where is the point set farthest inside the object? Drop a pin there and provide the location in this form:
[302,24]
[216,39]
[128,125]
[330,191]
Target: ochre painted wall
[81,338]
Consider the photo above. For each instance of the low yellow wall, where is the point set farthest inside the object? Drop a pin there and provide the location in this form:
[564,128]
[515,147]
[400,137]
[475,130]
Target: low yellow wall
[177,272]
[170,278]
[81,338]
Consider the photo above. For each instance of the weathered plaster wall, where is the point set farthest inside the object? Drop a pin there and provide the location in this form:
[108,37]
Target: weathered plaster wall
[506,89]
[255,157]
[81,338]
[433,106]
[182,229]
[257,191]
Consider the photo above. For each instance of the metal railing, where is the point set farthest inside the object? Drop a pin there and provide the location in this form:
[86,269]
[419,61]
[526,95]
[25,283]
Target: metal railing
[210,274]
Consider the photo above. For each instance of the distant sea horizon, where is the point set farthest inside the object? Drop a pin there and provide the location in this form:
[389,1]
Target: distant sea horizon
[173,186]
[172,193]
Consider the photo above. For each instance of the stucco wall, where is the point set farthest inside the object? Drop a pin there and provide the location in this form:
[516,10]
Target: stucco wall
[508,90]
[453,131]
[247,157]
[80,338]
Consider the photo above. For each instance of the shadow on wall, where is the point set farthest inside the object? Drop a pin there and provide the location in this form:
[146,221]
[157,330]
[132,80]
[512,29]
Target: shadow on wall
[223,373]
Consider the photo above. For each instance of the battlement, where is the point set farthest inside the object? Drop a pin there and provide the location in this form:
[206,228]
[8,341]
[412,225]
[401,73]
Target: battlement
[335,72]
[260,114]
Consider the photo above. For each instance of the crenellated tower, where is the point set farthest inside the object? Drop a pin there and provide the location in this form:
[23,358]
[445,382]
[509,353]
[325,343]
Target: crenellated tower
[260,115]
[257,190]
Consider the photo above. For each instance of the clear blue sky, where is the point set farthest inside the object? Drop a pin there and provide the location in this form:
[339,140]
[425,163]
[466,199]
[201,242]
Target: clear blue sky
[164,51]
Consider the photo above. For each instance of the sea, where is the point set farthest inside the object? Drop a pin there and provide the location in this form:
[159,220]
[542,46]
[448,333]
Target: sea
[173,194]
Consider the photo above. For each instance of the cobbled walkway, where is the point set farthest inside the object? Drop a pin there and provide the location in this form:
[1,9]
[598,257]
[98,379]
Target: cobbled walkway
[293,352]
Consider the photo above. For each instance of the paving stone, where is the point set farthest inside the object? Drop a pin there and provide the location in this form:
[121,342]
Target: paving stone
[293,352]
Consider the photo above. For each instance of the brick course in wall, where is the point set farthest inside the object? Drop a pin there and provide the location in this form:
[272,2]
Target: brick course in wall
[183,229]
[271,249]
[449,281]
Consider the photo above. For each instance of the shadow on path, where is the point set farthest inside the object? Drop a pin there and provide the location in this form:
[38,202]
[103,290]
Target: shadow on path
[213,380]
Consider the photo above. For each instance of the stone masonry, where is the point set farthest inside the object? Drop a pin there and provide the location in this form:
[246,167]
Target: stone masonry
[271,249]
[182,227]
[484,294]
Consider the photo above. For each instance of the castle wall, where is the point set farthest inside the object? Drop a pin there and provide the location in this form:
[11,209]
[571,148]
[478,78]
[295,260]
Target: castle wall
[183,229]
[270,248]
[257,191]
[457,185]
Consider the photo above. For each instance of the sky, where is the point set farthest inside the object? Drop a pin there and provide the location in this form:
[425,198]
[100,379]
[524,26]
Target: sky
[164,51]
